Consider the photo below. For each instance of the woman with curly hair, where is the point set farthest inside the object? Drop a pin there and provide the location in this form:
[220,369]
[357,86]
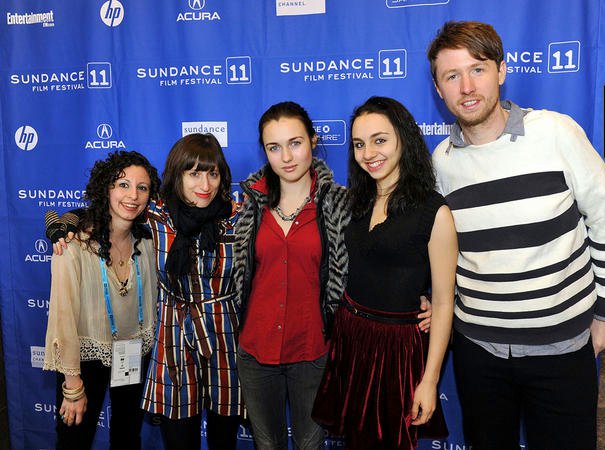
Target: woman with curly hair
[192,365]
[103,299]
[379,389]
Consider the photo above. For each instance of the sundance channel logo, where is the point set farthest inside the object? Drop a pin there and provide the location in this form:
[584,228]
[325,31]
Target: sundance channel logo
[220,130]
[299,7]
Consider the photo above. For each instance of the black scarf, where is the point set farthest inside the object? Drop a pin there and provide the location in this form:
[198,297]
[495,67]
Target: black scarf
[192,222]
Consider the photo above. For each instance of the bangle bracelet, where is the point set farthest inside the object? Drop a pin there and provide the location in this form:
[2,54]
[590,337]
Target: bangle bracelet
[72,392]
[75,398]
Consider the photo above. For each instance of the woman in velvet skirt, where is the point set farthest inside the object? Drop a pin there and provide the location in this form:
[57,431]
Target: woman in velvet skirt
[379,390]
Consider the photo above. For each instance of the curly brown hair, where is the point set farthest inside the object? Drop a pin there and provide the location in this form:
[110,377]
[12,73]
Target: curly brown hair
[96,218]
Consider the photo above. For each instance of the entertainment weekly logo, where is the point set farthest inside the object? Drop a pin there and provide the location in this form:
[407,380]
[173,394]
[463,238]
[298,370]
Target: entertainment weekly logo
[386,64]
[46,19]
[96,75]
[235,70]
[555,58]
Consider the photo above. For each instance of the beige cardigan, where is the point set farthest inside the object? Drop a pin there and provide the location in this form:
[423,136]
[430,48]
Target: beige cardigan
[78,326]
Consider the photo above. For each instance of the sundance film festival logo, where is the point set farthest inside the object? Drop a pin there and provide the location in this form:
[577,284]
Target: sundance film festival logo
[237,70]
[53,198]
[97,75]
[105,133]
[196,12]
[26,138]
[41,252]
[388,64]
[558,57]
[112,13]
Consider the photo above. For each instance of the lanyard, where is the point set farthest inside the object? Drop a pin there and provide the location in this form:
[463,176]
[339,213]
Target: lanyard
[112,321]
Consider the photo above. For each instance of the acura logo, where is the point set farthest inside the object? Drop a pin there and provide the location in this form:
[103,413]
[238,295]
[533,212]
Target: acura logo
[41,246]
[104,131]
[197,4]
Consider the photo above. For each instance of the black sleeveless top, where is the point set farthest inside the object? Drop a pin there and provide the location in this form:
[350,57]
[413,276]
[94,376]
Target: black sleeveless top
[389,266]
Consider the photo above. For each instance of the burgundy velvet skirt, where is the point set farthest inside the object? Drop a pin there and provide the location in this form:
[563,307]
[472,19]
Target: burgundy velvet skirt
[367,389]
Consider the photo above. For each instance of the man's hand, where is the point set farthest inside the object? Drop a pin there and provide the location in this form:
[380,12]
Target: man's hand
[597,333]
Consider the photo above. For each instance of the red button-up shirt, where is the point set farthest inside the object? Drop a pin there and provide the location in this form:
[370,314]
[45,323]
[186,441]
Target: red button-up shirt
[283,319]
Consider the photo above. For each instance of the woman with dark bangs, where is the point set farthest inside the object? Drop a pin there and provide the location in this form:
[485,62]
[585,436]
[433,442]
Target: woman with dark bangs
[193,360]
[103,295]
[379,389]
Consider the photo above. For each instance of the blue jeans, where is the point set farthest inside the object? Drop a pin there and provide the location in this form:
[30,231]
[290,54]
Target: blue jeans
[266,387]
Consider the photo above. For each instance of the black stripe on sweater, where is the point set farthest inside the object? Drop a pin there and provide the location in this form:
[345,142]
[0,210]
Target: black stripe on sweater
[526,336]
[515,315]
[596,245]
[519,236]
[518,276]
[528,295]
[507,190]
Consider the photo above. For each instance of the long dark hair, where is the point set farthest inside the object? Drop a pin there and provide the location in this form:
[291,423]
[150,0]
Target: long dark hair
[202,151]
[97,219]
[278,111]
[416,176]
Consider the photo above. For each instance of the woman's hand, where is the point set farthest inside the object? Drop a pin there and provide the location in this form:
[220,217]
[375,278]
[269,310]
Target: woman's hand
[427,308]
[425,402]
[72,412]
[62,244]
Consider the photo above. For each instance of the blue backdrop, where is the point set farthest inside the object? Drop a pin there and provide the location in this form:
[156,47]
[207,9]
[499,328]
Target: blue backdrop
[82,78]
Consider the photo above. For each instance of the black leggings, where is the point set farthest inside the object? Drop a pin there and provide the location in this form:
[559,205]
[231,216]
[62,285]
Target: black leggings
[185,434]
[126,414]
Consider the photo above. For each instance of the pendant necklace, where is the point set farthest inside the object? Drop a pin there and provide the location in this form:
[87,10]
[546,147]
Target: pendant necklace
[291,217]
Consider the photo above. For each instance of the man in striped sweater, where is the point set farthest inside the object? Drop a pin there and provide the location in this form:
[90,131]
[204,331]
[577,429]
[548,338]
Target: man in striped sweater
[527,191]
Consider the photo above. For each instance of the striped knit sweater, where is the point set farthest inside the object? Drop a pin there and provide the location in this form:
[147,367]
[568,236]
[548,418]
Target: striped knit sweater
[529,210]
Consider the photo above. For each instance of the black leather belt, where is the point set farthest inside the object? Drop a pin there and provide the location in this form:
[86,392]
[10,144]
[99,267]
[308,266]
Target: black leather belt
[385,319]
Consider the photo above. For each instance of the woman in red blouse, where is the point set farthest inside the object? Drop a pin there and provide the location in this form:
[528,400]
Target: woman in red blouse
[290,267]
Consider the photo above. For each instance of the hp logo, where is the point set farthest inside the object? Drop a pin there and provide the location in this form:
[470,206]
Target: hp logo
[26,138]
[112,13]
